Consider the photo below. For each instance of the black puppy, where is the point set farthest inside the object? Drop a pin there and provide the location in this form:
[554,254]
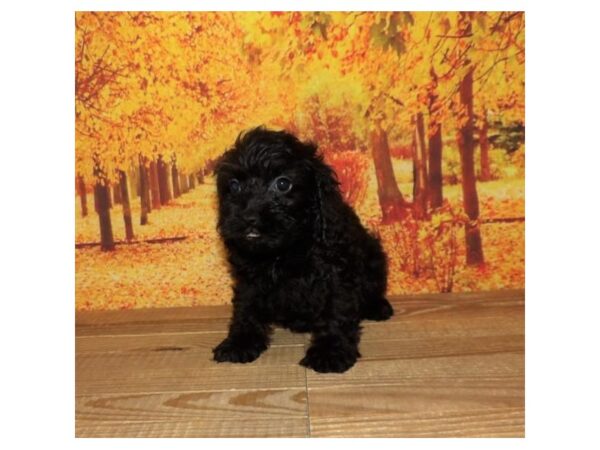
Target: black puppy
[299,256]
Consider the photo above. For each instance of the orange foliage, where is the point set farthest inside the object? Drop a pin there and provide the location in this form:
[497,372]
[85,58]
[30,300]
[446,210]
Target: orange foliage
[423,256]
[183,85]
[426,249]
[351,169]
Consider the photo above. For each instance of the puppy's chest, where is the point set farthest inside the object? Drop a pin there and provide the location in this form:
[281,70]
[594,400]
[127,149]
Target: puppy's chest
[290,298]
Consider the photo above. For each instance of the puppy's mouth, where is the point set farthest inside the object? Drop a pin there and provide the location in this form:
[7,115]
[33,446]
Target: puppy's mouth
[252,234]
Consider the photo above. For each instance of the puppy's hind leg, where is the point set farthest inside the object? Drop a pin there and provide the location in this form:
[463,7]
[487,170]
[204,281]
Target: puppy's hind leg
[374,305]
[378,309]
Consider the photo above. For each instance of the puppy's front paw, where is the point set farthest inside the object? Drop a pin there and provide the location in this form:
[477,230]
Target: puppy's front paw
[330,358]
[237,351]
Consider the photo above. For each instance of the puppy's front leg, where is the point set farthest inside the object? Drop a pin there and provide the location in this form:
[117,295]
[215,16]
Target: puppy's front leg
[334,347]
[248,336]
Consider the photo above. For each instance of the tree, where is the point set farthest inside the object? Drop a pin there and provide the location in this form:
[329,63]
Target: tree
[145,87]
[466,145]
[484,147]
[175,177]
[152,84]
[153,182]
[420,200]
[81,191]
[124,190]
[499,85]
[435,185]
[102,206]
[144,190]
[392,203]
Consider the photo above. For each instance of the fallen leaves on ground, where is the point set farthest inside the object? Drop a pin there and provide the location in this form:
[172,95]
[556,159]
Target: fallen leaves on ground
[194,271]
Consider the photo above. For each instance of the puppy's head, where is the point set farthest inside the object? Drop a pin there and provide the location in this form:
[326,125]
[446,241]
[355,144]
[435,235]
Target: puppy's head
[274,191]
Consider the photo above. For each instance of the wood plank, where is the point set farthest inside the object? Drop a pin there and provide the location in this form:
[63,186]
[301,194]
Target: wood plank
[168,342]
[156,326]
[496,422]
[445,365]
[437,369]
[246,404]
[217,326]
[426,327]
[383,372]
[465,395]
[207,428]
[497,294]
[176,358]
[187,370]
[228,376]
[454,306]
[141,315]
[436,347]
[208,319]
[216,318]
[453,347]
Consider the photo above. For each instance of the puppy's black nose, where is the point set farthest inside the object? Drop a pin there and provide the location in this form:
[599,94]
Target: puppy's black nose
[251,219]
[252,231]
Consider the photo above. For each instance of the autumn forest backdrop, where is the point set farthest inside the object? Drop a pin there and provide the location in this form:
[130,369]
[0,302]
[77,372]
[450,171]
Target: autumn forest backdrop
[420,113]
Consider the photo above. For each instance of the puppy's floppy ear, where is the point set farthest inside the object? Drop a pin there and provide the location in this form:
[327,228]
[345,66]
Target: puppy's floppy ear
[222,162]
[217,166]
[328,198]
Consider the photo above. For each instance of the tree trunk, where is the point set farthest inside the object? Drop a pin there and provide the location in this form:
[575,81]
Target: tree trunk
[144,191]
[192,181]
[183,183]
[175,180]
[393,205]
[117,193]
[420,166]
[435,193]
[414,151]
[163,181]
[484,146]
[169,189]
[436,196]
[201,176]
[134,178]
[82,195]
[154,185]
[466,144]
[109,199]
[147,186]
[124,189]
[101,202]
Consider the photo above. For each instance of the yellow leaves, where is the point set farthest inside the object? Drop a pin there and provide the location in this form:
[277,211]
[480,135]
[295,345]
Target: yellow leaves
[149,52]
[192,271]
[187,83]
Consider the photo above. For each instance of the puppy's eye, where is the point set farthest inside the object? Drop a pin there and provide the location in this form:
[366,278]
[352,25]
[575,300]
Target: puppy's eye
[282,184]
[235,186]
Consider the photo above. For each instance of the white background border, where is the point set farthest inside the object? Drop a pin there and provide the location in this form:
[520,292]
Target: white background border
[37,226]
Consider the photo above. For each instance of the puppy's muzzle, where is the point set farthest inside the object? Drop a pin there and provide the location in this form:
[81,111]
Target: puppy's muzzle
[252,231]
[252,235]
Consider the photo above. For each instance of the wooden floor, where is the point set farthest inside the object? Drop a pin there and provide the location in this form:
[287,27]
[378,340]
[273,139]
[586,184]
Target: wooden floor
[444,365]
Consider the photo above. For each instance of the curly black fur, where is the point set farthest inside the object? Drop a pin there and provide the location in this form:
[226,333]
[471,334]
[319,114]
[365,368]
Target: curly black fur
[299,256]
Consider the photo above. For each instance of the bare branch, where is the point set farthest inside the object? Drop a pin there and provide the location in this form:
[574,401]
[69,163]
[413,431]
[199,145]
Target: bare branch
[455,36]
[394,99]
